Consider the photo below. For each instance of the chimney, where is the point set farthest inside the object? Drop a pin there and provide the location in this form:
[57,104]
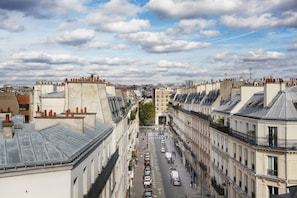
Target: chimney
[271,89]
[7,131]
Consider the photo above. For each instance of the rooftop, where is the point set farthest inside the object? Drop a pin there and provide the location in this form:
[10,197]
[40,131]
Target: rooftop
[58,144]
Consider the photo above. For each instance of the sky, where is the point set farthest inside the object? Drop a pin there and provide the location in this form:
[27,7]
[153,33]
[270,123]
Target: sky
[136,42]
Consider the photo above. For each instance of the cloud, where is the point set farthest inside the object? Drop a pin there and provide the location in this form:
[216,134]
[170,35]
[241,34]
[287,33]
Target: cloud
[157,42]
[192,8]
[69,23]
[75,38]
[103,45]
[132,25]
[11,21]
[117,16]
[42,57]
[260,56]
[265,20]
[113,61]
[293,46]
[209,33]
[190,26]
[43,8]
[169,64]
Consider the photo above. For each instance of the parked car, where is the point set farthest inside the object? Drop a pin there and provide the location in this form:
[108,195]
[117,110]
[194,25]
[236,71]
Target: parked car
[148,193]
[147,173]
[147,162]
[147,181]
[147,168]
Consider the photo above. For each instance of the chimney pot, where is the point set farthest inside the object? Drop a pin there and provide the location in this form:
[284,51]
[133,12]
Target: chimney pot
[85,110]
[7,118]
[76,109]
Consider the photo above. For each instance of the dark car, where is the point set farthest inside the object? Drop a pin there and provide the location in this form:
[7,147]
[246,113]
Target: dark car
[147,162]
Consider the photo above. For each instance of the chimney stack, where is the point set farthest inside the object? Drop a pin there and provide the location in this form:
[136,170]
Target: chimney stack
[7,126]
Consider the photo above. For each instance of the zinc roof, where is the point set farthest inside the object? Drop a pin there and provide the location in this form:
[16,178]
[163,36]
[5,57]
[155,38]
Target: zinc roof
[282,107]
[56,144]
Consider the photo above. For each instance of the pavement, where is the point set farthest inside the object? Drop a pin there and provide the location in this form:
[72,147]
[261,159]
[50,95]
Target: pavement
[137,188]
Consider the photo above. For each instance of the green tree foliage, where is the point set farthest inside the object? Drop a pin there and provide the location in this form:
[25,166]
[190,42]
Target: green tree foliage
[146,113]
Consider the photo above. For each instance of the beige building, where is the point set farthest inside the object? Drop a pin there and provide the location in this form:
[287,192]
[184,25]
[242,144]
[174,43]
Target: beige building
[246,147]
[78,150]
[162,96]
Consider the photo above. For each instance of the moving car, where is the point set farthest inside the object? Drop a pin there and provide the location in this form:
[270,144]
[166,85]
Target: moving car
[163,150]
[174,178]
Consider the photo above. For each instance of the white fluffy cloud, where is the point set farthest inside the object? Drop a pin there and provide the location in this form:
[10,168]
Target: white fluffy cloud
[76,38]
[117,16]
[265,20]
[157,42]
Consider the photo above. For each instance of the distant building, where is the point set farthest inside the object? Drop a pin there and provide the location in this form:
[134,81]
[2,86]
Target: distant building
[162,96]
[13,102]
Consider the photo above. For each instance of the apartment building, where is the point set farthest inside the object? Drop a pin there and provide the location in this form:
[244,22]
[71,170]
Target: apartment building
[78,150]
[162,96]
[246,146]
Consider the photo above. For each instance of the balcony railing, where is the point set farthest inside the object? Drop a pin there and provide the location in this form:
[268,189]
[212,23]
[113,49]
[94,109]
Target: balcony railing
[257,141]
[202,166]
[218,188]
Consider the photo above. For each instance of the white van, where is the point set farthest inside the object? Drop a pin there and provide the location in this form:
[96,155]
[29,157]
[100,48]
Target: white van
[168,157]
[174,178]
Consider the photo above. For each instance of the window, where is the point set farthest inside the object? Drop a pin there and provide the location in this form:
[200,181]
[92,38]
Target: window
[85,182]
[253,160]
[234,174]
[92,171]
[253,186]
[246,156]
[272,166]
[24,107]
[240,177]
[246,183]
[234,150]
[240,152]
[272,136]
[273,190]
[75,188]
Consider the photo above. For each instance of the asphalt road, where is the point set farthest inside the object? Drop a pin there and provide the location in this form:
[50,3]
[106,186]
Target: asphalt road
[150,141]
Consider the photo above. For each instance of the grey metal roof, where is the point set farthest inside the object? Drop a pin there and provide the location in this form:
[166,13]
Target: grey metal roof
[211,97]
[56,144]
[282,107]
[199,97]
[228,104]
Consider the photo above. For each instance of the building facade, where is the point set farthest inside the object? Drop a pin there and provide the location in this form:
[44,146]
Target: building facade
[162,96]
[243,143]
[76,150]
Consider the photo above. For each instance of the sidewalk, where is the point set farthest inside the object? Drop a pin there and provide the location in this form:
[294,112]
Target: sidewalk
[137,184]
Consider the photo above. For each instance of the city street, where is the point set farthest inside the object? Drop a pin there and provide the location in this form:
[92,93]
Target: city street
[150,141]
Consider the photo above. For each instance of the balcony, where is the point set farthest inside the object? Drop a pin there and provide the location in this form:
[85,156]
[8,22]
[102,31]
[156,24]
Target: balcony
[252,139]
[218,188]
[202,166]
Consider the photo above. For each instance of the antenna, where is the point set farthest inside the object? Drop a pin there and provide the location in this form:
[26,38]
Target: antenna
[250,73]
[92,74]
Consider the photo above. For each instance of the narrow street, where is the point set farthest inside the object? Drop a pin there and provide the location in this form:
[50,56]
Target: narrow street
[150,141]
